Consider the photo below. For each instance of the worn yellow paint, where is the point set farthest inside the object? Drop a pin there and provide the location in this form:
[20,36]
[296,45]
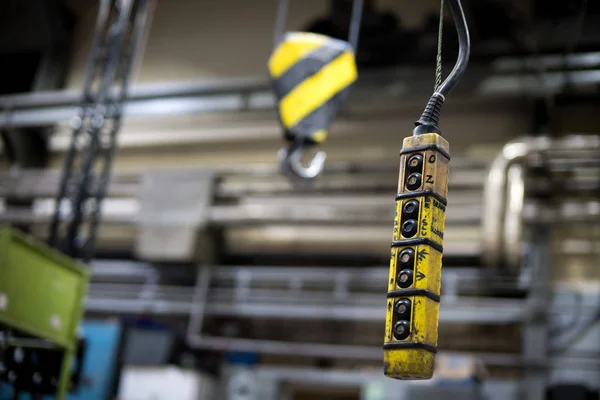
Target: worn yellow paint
[426,265]
[416,363]
[408,364]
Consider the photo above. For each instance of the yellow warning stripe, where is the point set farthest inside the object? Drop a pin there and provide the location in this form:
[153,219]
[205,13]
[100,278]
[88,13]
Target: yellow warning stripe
[317,89]
[291,51]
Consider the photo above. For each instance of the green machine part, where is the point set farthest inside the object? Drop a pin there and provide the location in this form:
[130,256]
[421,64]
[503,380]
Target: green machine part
[41,294]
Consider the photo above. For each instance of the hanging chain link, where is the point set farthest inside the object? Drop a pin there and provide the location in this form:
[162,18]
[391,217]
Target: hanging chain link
[438,67]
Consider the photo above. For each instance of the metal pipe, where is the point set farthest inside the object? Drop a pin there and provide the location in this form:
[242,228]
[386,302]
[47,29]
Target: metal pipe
[494,195]
[481,311]
[146,91]
[350,352]
[251,237]
[497,251]
[513,218]
[185,98]
[264,303]
[124,270]
[319,214]
[323,350]
[357,378]
[44,184]
[290,348]
[465,171]
[124,212]
[140,92]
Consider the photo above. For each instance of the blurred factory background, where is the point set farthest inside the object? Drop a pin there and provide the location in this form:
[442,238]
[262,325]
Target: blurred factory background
[214,277]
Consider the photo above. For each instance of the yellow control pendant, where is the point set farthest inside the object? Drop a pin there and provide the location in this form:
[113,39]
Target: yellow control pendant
[413,298]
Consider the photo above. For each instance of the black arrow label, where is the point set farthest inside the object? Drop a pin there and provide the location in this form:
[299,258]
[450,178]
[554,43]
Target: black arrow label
[420,276]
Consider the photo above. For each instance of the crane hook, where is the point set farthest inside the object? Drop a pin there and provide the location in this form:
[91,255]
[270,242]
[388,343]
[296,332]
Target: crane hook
[290,162]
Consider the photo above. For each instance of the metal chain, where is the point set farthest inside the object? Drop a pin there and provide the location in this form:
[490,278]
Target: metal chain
[438,67]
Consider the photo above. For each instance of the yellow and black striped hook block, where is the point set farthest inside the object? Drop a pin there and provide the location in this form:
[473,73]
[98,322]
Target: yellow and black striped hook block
[310,75]
[413,298]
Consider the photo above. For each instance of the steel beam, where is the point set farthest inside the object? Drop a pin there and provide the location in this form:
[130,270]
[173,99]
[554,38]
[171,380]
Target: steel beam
[500,79]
